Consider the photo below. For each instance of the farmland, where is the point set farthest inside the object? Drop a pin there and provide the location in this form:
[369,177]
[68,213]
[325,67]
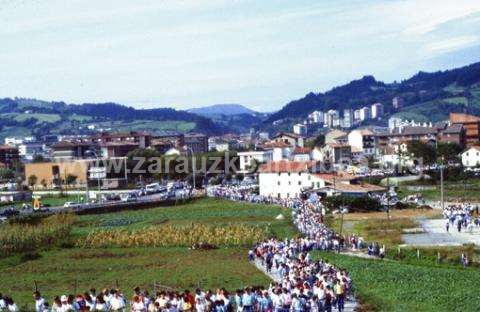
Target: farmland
[398,286]
[67,267]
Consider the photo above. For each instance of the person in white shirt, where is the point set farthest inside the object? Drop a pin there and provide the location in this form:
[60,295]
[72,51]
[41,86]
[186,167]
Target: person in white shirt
[11,306]
[117,303]
[138,305]
[3,305]
[39,302]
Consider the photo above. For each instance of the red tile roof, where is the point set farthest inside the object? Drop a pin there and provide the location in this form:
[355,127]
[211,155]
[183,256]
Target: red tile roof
[286,166]
[302,150]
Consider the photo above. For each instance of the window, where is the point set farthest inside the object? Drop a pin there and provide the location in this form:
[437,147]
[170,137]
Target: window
[288,195]
[278,195]
[313,184]
[299,182]
[318,184]
[279,174]
[300,174]
[289,174]
[289,182]
[278,183]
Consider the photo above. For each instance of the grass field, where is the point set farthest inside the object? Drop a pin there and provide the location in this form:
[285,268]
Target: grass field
[398,286]
[375,227]
[58,269]
[452,193]
[206,211]
[408,285]
[76,270]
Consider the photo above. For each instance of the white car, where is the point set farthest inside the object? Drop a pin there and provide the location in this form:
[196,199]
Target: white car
[71,204]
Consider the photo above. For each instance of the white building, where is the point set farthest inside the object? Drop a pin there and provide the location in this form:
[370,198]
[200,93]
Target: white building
[394,122]
[347,118]
[29,150]
[365,113]
[250,158]
[300,129]
[471,157]
[332,118]
[377,110]
[356,115]
[362,141]
[316,117]
[285,179]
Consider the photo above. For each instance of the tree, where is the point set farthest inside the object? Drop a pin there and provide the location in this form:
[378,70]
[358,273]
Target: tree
[425,152]
[38,159]
[32,180]
[448,150]
[71,179]
[6,174]
[318,141]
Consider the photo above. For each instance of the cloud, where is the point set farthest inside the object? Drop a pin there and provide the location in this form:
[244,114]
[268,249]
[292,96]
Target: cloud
[451,44]
[426,16]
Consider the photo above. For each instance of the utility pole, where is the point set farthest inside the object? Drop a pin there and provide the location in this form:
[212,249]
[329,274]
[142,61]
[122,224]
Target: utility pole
[441,185]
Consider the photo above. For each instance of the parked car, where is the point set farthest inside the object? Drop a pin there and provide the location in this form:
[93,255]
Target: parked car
[128,197]
[9,212]
[71,204]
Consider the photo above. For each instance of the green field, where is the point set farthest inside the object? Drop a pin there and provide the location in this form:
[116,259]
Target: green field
[62,267]
[49,118]
[76,270]
[396,286]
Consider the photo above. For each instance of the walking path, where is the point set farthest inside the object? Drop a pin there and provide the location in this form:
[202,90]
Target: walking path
[436,234]
[350,302]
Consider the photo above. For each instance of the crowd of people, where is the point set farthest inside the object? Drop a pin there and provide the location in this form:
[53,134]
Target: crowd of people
[461,217]
[301,285]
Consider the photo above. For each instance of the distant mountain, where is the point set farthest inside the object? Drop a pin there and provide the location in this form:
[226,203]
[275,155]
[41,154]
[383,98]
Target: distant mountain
[222,109]
[19,117]
[426,96]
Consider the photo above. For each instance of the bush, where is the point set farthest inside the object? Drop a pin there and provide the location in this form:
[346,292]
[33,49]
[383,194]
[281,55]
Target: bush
[357,204]
[18,237]
[170,235]
[29,256]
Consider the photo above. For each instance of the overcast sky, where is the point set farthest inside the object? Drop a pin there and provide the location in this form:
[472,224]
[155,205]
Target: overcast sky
[258,53]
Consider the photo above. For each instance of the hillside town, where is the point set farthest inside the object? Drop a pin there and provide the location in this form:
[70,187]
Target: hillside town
[284,164]
[240,156]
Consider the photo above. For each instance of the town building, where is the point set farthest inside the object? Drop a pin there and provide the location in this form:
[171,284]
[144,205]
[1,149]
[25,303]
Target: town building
[334,135]
[28,150]
[196,142]
[471,124]
[332,118]
[300,129]
[248,161]
[316,117]
[377,110]
[471,157]
[397,103]
[365,113]
[58,173]
[291,139]
[348,118]
[301,154]
[362,142]
[8,155]
[288,179]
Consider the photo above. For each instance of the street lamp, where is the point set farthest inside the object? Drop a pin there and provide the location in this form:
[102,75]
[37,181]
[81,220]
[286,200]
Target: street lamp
[193,164]
[441,167]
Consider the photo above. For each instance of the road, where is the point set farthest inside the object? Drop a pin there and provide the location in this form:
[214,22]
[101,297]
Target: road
[435,234]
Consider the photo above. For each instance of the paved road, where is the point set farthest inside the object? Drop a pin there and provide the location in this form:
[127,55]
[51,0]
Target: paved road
[435,234]
[350,303]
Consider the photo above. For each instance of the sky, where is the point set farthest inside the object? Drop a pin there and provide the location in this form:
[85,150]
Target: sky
[192,53]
